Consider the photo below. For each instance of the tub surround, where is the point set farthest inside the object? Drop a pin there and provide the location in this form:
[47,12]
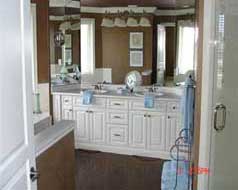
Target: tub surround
[48,137]
[41,122]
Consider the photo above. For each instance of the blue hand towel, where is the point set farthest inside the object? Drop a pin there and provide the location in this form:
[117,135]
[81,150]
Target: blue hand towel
[169,173]
[149,101]
[188,109]
[87,97]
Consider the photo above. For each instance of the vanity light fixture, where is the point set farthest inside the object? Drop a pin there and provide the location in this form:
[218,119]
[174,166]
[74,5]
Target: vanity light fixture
[120,21]
[126,19]
[132,22]
[144,22]
[107,21]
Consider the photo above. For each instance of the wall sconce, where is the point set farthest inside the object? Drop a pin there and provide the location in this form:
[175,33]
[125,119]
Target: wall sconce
[59,39]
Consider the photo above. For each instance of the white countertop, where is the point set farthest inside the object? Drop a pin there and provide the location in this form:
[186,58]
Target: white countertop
[114,94]
[51,135]
[39,117]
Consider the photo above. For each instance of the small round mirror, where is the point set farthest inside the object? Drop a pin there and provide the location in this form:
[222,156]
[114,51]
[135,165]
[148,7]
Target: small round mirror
[133,79]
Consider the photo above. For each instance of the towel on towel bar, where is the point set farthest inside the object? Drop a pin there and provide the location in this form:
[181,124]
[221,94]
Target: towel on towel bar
[188,109]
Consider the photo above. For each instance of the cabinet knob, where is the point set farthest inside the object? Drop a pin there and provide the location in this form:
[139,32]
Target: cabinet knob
[174,107]
[117,135]
[145,115]
[117,117]
[117,104]
[169,117]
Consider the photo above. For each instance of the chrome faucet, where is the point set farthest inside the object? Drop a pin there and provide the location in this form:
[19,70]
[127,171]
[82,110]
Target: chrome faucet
[98,86]
[152,88]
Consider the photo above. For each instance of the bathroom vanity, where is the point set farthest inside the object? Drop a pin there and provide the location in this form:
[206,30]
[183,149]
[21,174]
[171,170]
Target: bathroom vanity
[119,123]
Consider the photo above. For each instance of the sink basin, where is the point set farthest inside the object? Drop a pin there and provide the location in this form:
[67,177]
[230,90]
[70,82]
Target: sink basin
[156,94]
[100,91]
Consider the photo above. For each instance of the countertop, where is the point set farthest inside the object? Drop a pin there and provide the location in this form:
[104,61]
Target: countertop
[39,117]
[47,138]
[114,94]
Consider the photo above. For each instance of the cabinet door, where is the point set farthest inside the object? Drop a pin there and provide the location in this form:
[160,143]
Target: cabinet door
[82,130]
[56,108]
[98,126]
[172,130]
[67,114]
[137,130]
[156,127]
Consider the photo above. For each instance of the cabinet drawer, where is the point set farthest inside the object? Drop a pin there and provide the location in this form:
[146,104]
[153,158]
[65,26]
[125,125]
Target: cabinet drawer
[173,107]
[117,117]
[67,101]
[117,135]
[96,102]
[117,104]
[139,105]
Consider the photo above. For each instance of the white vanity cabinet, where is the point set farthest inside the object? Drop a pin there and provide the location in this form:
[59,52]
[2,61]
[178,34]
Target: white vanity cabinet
[156,131]
[90,126]
[98,126]
[137,129]
[121,124]
[82,130]
[147,130]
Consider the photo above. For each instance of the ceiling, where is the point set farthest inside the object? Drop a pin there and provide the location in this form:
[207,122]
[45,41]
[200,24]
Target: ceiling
[170,4]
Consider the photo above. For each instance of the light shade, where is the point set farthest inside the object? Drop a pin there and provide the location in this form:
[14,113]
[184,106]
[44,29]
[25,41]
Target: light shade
[119,22]
[132,22]
[107,22]
[144,22]
[75,26]
[65,26]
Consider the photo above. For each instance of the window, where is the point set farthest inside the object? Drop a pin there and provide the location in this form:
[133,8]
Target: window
[87,46]
[161,47]
[186,40]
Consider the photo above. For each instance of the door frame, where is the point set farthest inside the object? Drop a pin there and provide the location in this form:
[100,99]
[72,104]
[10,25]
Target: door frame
[204,109]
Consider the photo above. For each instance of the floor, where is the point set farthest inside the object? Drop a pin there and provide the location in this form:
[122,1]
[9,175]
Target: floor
[104,171]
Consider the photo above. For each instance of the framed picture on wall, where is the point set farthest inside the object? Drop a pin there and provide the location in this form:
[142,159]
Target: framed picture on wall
[136,40]
[136,58]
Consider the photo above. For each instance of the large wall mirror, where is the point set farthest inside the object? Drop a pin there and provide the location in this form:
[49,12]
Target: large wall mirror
[64,32]
[165,32]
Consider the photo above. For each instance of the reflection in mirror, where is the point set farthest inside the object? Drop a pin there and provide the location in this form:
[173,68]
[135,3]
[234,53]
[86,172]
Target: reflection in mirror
[175,51]
[165,57]
[64,44]
[40,82]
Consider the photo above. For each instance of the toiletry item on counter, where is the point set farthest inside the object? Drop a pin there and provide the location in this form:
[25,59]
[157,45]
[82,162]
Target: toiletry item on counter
[149,100]
[87,97]
[37,109]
